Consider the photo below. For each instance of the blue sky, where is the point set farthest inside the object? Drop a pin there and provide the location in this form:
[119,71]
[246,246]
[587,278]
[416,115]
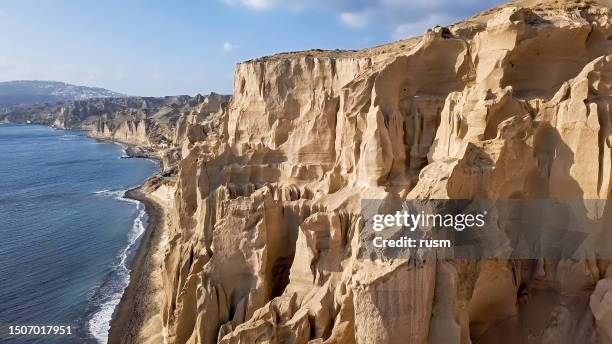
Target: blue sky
[154,47]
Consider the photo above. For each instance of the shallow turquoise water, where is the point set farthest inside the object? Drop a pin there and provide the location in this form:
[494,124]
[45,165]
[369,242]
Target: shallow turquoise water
[66,234]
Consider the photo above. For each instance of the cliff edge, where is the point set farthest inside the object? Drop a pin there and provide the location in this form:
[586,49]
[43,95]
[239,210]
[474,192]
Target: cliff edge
[264,236]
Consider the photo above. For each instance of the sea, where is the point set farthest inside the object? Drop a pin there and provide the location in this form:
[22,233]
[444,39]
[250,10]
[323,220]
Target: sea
[67,234]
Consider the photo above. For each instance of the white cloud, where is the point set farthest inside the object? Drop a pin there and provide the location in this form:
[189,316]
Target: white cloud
[228,47]
[354,19]
[254,4]
[401,17]
[263,5]
[296,5]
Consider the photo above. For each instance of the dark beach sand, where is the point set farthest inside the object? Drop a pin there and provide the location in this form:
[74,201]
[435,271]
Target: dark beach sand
[138,300]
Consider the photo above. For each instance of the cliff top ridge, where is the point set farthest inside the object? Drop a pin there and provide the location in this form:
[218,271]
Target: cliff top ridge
[548,10]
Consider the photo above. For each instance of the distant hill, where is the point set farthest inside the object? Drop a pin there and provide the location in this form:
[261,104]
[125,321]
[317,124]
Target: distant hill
[34,91]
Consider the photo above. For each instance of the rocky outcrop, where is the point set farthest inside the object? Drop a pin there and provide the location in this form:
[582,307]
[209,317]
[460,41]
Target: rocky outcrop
[264,243]
[153,122]
[139,121]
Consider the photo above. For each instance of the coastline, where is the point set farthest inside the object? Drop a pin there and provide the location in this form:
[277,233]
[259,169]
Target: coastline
[137,303]
[141,244]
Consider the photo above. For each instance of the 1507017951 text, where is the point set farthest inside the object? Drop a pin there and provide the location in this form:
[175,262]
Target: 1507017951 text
[52,330]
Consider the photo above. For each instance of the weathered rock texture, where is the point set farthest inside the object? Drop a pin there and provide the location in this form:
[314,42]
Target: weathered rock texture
[264,246]
[137,120]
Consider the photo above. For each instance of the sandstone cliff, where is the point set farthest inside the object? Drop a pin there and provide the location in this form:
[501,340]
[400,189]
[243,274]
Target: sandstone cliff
[264,242]
[145,121]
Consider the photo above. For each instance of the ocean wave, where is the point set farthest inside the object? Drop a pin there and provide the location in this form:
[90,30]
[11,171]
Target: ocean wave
[117,194]
[124,152]
[68,137]
[107,296]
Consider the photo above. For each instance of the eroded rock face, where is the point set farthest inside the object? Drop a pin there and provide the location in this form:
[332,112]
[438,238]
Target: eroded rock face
[152,122]
[264,241]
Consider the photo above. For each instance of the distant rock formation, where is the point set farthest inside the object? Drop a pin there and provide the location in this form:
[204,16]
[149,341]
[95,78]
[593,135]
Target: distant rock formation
[154,123]
[27,92]
[264,244]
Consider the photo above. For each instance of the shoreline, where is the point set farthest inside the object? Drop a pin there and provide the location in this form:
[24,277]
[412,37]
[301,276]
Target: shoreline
[137,305]
[138,302]
[134,308]
[131,313]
